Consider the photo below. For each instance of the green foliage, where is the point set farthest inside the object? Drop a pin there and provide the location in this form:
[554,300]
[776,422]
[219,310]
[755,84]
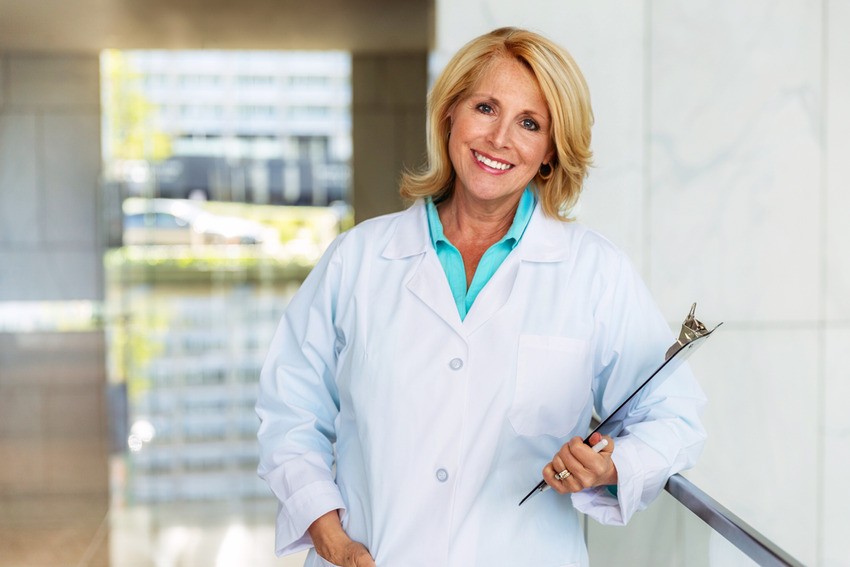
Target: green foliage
[130,119]
[198,264]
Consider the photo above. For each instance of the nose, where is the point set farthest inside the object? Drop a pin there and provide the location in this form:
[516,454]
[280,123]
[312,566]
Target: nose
[498,135]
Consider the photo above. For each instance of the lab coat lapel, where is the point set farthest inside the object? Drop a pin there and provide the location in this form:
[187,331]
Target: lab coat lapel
[543,241]
[430,285]
[493,296]
[428,280]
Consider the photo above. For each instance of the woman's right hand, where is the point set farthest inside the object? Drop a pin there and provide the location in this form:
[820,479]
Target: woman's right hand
[333,544]
[355,554]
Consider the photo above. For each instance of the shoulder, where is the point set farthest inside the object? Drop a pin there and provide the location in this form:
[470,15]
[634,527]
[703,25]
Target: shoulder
[571,242]
[402,233]
[377,226]
[585,237]
[590,241]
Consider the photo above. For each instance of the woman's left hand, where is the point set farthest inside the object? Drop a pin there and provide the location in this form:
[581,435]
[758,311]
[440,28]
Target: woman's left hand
[586,467]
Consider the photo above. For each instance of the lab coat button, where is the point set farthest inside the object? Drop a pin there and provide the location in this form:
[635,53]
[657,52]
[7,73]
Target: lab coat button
[455,364]
[442,475]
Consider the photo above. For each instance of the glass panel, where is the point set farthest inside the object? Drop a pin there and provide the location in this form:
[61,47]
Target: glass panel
[666,533]
[227,177]
[259,127]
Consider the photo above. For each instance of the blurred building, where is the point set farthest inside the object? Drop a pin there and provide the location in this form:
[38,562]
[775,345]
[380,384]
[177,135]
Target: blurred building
[192,357]
[254,126]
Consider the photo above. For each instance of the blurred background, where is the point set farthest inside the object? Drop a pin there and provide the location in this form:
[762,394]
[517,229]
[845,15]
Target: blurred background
[170,171]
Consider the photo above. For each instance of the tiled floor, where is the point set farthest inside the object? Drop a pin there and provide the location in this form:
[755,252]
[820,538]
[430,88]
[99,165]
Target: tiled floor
[54,531]
[81,531]
[59,504]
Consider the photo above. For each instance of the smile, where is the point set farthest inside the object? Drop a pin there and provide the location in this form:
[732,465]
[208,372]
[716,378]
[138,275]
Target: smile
[491,162]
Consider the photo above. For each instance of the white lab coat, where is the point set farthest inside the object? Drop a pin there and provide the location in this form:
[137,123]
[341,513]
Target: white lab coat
[427,430]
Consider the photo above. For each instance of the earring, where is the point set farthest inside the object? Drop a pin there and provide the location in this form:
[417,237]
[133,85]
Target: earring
[545,171]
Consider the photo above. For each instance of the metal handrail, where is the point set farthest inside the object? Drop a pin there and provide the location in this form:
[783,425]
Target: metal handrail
[740,534]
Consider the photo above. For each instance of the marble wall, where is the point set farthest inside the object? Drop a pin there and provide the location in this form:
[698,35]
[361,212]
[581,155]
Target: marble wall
[721,142]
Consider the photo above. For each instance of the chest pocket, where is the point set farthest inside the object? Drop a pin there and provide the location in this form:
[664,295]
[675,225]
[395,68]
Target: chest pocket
[553,385]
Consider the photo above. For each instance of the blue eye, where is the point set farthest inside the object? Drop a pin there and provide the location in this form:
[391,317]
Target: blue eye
[530,124]
[484,108]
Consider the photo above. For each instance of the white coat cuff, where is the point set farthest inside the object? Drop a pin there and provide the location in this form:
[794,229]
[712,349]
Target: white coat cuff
[302,507]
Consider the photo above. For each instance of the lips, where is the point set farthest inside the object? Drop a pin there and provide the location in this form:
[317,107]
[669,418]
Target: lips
[492,163]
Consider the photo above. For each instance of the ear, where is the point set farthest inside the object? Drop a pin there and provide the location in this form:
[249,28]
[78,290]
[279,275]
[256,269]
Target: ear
[449,116]
[452,108]
[551,152]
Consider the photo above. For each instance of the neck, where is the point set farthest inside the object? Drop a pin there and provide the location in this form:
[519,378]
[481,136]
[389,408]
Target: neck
[466,220]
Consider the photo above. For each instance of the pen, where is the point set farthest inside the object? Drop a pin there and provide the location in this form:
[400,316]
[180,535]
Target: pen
[542,486]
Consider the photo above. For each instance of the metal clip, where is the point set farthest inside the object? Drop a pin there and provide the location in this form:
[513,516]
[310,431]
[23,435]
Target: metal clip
[691,329]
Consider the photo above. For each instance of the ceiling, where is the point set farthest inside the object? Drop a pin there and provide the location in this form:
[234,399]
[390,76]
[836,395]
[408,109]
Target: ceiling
[92,25]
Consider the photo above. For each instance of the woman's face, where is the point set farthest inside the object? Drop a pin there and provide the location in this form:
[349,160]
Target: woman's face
[499,134]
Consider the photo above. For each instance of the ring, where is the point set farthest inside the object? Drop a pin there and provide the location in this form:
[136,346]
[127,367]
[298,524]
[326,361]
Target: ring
[563,474]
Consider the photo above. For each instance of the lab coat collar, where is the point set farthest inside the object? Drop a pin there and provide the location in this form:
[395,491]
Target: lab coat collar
[427,281]
[545,239]
[411,235]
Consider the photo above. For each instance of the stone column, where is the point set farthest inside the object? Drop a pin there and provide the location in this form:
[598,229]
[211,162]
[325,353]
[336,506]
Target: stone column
[53,425]
[388,126]
[49,175]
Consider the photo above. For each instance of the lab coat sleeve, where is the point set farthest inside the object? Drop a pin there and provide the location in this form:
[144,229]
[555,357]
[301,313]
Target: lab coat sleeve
[630,340]
[297,405]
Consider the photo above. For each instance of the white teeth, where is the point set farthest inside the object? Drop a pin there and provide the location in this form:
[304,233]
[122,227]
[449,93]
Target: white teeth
[491,163]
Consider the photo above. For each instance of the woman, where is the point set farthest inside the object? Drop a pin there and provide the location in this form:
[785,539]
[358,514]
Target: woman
[437,358]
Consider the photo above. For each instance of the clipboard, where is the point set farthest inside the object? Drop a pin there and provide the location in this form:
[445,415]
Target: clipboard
[692,336]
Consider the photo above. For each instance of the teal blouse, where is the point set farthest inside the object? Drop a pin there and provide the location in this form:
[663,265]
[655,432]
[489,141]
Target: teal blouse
[452,261]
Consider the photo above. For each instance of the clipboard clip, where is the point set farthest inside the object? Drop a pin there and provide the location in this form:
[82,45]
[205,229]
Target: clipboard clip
[692,329]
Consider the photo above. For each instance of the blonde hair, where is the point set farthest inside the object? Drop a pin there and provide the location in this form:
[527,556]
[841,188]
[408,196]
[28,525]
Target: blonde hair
[567,97]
